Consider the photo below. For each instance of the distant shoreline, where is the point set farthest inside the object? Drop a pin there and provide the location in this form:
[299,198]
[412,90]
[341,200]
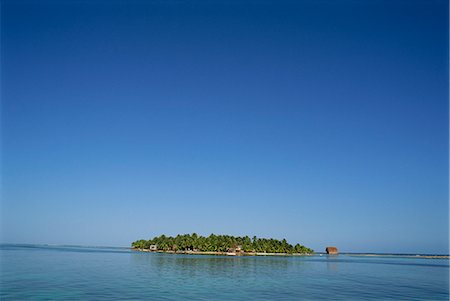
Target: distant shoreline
[293,254]
[220,253]
[397,255]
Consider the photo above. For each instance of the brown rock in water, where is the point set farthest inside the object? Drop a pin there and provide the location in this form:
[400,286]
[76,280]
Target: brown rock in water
[332,250]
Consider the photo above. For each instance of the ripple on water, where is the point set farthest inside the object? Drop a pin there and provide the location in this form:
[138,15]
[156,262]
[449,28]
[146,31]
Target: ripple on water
[79,273]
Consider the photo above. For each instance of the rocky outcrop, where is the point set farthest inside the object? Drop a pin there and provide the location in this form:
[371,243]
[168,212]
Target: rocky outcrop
[332,250]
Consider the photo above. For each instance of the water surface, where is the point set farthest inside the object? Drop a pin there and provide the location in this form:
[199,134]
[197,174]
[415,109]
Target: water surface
[30,272]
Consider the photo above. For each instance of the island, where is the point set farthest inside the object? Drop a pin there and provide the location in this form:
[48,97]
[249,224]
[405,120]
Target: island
[219,245]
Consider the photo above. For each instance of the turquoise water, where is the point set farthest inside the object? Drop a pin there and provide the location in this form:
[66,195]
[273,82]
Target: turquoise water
[87,273]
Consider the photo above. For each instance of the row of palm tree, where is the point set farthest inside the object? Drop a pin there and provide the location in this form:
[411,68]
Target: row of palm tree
[220,243]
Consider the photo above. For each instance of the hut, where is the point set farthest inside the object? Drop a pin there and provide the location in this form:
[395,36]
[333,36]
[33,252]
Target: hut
[153,248]
[237,250]
[231,252]
[332,250]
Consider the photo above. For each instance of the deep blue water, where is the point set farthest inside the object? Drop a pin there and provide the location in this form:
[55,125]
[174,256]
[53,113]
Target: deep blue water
[88,273]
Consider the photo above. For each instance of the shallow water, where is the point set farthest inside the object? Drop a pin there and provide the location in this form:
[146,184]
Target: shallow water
[30,272]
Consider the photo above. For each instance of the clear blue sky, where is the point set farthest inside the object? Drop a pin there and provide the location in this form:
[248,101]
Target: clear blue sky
[322,122]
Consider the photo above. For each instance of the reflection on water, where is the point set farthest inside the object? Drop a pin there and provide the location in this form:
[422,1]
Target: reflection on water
[213,270]
[208,262]
[332,266]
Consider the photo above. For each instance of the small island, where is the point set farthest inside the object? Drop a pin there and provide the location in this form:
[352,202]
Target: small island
[219,245]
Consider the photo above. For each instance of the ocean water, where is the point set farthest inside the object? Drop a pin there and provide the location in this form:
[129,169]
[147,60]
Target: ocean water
[30,272]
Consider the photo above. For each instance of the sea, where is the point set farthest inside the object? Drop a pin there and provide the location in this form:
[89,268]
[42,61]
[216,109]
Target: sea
[44,272]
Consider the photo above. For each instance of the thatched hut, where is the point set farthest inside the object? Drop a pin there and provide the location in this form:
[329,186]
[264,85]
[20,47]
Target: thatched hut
[236,250]
[332,250]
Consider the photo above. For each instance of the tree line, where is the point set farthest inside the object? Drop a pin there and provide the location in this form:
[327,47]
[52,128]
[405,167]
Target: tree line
[220,243]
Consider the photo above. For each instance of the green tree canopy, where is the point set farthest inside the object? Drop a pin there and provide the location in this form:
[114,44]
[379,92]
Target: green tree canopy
[221,243]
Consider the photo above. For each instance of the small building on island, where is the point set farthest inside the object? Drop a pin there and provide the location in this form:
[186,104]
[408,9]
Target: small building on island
[153,248]
[237,250]
[331,250]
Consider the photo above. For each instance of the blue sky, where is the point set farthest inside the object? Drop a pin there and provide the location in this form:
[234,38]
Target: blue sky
[322,122]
